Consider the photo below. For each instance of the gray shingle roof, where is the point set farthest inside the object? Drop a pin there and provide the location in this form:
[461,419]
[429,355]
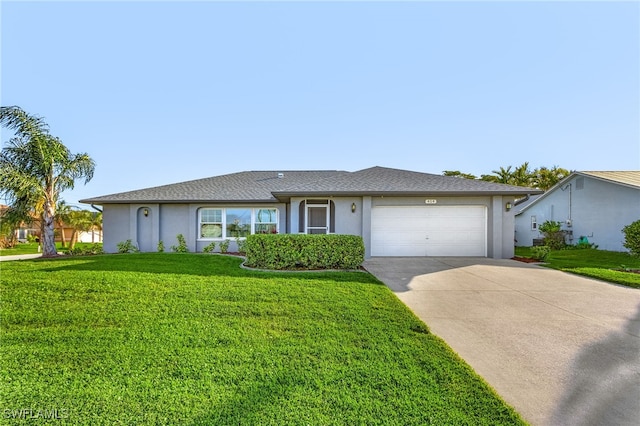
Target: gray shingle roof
[267,186]
[386,181]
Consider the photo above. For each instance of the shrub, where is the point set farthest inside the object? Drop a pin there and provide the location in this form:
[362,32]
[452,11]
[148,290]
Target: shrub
[160,246]
[92,249]
[127,247]
[632,237]
[209,248]
[182,245]
[553,236]
[224,246]
[301,251]
[540,252]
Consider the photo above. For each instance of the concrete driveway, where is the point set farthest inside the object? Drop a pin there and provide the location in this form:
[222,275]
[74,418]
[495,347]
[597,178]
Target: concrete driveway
[561,349]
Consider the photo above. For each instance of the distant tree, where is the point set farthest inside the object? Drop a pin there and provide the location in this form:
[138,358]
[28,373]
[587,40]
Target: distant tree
[541,178]
[545,178]
[83,221]
[499,176]
[35,167]
[521,176]
[95,224]
[63,211]
[456,173]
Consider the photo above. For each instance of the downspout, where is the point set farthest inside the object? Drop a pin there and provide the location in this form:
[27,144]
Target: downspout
[95,208]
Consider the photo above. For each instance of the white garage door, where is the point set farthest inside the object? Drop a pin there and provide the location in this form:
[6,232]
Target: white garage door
[429,231]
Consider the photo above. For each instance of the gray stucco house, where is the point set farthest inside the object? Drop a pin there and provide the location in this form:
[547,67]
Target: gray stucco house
[595,205]
[397,212]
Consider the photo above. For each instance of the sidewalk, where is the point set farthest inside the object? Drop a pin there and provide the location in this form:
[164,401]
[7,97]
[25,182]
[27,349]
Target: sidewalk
[20,257]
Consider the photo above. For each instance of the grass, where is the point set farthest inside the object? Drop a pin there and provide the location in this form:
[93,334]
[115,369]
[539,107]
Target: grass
[32,248]
[604,265]
[167,338]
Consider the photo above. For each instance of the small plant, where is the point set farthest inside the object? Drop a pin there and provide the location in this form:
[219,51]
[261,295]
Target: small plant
[182,245]
[540,252]
[160,246]
[553,235]
[224,246]
[632,238]
[209,248]
[240,244]
[127,247]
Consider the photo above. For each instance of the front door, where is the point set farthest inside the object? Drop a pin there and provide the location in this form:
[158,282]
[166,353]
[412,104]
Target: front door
[317,219]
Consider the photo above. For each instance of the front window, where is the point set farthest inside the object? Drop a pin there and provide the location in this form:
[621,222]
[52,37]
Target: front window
[210,223]
[238,223]
[266,221]
[222,223]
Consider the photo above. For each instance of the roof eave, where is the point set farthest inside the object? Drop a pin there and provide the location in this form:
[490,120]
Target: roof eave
[288,195]
[100,202]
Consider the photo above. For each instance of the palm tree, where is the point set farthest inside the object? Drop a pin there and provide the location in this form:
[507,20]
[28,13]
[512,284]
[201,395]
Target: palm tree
[63,210]
[80,221]
[96,224]
[546,178]
[36,167]
[499,176]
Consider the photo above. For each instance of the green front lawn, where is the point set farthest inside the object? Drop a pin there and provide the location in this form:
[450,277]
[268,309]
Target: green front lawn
[612,266]
[168,338]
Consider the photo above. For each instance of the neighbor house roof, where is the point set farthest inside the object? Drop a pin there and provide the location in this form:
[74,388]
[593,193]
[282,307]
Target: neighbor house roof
[270,186]
[626,178]
[630,178]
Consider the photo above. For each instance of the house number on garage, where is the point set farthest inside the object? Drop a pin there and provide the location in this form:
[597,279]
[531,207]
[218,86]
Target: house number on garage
[430,201]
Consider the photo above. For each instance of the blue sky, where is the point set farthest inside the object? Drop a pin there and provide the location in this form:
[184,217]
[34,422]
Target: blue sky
[163,92]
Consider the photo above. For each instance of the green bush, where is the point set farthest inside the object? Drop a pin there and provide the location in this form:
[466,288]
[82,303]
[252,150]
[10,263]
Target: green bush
[553,235]
[302,251]
[182,245]
[209,248]
[92,249]
[127,247]
[632,237]
[160,246]
[540,252]
[224,246]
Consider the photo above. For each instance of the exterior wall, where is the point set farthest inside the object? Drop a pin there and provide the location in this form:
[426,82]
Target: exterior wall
[174,220]
[115,226]
[597,211]
[165,221]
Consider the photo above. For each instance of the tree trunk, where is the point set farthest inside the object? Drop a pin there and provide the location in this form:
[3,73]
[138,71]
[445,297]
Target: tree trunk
[64,242]
[74,239]
[47,239]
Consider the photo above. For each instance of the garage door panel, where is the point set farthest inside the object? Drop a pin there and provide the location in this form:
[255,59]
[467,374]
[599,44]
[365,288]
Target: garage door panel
[428,231]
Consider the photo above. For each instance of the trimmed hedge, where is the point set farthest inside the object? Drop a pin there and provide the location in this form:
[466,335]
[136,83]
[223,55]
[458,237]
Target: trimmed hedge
[303,251]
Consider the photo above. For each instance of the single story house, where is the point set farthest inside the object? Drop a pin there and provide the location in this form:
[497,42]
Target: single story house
[397,212]
[593,206]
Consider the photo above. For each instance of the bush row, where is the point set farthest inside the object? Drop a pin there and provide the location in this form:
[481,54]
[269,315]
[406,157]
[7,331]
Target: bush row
[302,251]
